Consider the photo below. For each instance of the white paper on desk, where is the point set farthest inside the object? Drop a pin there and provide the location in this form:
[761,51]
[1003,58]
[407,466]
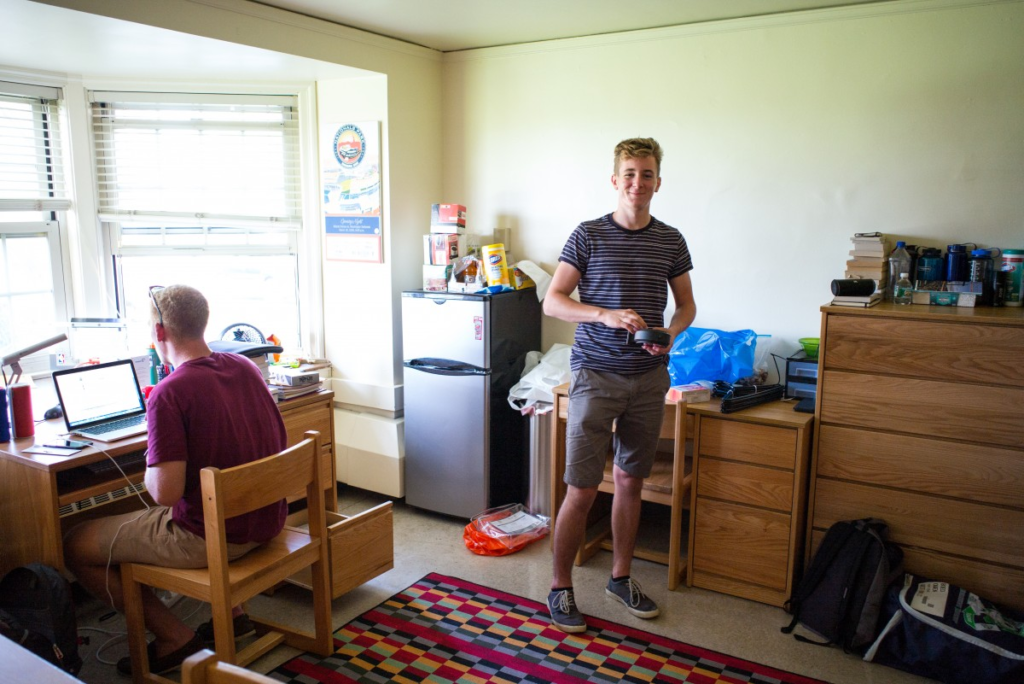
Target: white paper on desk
[50,451]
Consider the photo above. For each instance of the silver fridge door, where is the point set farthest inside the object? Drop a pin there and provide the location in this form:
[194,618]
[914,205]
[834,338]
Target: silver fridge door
[445,326]
[446,437]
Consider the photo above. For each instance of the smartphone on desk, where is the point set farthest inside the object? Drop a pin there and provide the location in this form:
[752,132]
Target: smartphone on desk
[68,444]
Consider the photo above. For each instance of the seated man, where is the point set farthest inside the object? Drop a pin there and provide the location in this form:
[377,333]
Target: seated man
[213,410]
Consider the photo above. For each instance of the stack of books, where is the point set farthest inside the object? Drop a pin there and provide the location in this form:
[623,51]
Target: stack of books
[869,259]
[858,300]
[288,382]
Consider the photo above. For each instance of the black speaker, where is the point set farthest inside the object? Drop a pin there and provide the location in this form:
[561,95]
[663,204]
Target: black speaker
[853,287]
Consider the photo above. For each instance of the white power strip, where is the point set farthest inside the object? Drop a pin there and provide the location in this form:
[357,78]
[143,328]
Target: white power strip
[101,499]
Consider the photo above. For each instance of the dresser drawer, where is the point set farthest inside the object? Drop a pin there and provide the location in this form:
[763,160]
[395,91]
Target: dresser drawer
[961,528]
[743,483]
[751,443]
[959,352]
[975,472]
[743,543]
[974,413]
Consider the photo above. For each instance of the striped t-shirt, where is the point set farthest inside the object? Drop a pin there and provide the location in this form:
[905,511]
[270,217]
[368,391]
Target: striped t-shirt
[622,269]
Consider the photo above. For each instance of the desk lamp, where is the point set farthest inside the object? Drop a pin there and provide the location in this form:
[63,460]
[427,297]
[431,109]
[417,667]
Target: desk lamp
[14,358]
[17,399]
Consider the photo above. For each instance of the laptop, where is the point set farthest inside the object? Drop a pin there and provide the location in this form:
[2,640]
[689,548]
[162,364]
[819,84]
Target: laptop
[102,402]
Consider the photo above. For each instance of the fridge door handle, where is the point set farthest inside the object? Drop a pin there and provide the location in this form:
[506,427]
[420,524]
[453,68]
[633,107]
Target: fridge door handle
[445,367]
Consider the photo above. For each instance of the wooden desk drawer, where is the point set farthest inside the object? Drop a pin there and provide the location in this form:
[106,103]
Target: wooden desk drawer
[296,423]
[360,546]
[976,413]
[743,543]
[925,349]
[748,442]
[747,484]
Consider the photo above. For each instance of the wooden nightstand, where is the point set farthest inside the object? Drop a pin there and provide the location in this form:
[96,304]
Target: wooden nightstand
[750,471]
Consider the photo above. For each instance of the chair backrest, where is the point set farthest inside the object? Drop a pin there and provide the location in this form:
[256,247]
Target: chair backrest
[233,491]
[203,667]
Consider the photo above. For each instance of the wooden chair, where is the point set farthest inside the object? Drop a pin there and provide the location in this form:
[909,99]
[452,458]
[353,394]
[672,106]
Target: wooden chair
[226,494]
[204,668]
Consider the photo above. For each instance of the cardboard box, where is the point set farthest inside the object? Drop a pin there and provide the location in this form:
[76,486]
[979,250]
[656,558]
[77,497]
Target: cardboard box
[443,248]
[689,394]
[930,297]
[293,377]
[448,218]
[435,277]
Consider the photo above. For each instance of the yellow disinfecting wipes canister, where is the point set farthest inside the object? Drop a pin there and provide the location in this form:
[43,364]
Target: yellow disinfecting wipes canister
[495,267]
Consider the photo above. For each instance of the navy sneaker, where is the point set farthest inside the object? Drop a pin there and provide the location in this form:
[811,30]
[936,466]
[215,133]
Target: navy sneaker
[633,597]
[564,613]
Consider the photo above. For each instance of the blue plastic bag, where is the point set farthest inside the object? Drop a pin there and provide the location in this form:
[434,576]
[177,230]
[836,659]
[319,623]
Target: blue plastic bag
[705,354]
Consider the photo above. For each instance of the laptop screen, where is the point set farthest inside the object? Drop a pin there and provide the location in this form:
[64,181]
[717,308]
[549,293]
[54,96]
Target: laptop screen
[99,393]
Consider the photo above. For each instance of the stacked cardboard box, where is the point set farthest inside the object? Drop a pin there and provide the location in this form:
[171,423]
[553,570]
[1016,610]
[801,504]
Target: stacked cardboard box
[443,246]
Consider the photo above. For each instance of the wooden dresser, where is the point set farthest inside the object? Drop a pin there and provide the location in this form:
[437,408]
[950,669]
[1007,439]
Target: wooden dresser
[921,424]
[750,482]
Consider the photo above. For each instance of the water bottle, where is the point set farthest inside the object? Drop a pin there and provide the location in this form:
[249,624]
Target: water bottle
[901,293]
[956,263]
[899,263]
[154,365]
[980,270]
[929,264]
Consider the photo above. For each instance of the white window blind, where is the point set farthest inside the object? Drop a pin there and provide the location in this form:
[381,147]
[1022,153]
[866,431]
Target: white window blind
[31,151]
[185,167]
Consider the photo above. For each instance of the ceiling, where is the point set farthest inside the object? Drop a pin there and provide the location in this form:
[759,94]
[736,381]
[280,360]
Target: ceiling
[466,24]
[96,46]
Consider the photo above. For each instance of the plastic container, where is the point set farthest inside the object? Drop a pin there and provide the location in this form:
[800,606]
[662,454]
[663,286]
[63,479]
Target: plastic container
[810,345]
[901,294]
[899,262]
[930,265]
[956,263]
[495,267]
[1013,270]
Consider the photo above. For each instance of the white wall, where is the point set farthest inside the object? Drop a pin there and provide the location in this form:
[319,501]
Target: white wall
[783,137]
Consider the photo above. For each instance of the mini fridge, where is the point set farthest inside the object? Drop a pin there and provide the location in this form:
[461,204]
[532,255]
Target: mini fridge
[465,446]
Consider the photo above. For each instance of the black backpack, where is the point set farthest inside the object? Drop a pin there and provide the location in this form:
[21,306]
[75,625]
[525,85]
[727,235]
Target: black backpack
[839,597]
[36,611]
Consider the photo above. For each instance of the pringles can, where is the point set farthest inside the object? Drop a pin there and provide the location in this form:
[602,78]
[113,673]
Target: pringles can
[495,268]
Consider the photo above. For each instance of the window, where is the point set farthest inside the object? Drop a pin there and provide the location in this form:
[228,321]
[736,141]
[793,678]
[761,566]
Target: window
[33,199]
[203,190]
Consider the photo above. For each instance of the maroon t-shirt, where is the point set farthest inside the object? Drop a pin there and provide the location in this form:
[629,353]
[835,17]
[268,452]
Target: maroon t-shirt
[216,411]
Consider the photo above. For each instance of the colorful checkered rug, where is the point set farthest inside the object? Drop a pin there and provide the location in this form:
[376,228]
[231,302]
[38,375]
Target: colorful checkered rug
[443,629]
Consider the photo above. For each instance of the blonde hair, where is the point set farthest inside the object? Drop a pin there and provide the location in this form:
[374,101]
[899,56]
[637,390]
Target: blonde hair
[638,148]
[184,309]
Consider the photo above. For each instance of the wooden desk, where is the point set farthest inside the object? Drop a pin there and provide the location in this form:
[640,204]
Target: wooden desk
[669,484]
[41,497]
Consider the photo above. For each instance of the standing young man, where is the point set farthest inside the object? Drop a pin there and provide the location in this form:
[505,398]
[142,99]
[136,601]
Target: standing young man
[213,410]
[624,264]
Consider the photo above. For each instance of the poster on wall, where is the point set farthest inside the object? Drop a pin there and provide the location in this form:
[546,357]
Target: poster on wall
[350,180]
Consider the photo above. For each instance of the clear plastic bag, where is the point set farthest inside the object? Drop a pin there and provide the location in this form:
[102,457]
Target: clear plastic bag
[503,530]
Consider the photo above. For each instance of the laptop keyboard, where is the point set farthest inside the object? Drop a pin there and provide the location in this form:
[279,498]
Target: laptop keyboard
[116,425]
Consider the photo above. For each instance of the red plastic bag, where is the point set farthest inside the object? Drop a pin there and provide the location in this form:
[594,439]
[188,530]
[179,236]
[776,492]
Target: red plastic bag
[503,530]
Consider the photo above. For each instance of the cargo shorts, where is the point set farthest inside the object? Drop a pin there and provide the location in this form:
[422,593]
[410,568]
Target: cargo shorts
[636,406]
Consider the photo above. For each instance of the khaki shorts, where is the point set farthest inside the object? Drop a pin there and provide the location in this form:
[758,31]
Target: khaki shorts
[596,399]
[151,536]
